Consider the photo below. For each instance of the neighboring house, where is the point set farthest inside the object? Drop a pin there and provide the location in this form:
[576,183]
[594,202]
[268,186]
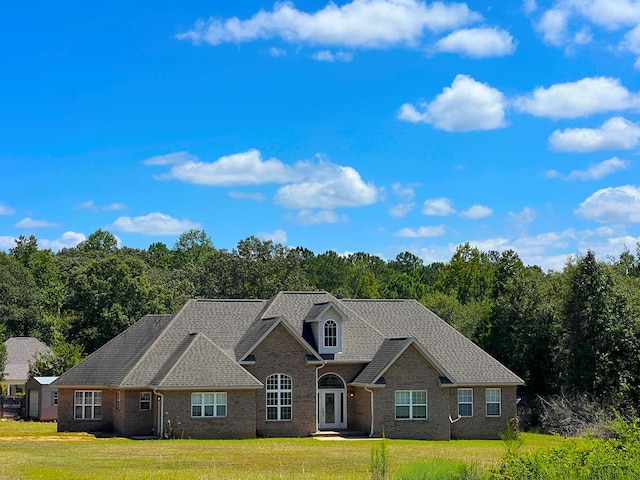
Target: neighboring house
[293,365]
[42,399]
[21,354]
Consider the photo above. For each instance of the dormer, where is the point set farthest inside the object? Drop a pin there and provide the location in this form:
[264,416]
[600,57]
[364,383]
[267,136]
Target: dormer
[327,321]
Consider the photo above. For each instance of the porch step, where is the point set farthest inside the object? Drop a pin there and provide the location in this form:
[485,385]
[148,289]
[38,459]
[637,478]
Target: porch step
[338,434]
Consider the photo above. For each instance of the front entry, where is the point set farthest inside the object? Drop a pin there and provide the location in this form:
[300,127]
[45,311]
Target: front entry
[332,403]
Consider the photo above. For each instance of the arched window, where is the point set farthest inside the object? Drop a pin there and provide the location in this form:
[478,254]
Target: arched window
[330,381]
[279,397]
[330,333]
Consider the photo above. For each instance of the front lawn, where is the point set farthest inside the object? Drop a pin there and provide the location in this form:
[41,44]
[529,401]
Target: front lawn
[33,450]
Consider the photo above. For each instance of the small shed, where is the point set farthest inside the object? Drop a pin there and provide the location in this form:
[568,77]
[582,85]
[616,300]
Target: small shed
[42,399]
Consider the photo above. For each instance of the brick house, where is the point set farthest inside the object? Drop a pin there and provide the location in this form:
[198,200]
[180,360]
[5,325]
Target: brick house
[293,365]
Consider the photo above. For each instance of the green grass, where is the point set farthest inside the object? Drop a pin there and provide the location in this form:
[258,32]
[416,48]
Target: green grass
[33,450]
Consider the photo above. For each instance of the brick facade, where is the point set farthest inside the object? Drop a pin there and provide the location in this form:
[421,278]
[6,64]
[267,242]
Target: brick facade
[67,422]
[480,426]
[412,371]
[281,353]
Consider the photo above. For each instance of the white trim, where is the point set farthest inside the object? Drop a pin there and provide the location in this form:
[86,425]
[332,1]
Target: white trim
[464,403]
[279,391]
[499,402]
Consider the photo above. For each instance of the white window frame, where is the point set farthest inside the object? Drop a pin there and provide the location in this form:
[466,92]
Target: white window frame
[210,404]
[490,392]
[330,333]
[90,404]
[54,398]
[145,401]
[467,401]
[412,403]
[117,400]
[279,398]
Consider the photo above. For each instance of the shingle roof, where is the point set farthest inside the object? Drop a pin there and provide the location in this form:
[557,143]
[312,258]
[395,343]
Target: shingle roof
[21,352]
[205,339]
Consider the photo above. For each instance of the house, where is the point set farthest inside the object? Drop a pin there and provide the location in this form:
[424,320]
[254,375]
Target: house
[42,399]
[21,354]
[294,365]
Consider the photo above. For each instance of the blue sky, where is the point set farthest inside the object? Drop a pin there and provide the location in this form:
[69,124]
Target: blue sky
[377,126]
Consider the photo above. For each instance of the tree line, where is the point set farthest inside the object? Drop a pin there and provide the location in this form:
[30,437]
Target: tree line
[577,330]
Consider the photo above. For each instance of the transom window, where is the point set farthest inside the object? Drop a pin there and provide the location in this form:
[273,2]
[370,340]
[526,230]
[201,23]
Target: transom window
[330,381]
[330,333]
[411,404]
[494,402]
[279,397]
[145,400]
[465,402]
[209,404]
[87,405]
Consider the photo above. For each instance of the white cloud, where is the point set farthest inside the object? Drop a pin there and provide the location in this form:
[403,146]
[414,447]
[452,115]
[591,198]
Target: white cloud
[90,205]
[309,217]
[611,14]
[246,168]
[553,26]
[522,219]
[612,205]
[615,134]
[335,186]
[175,158]
[421,232]
[401,210]
[67,240]
[438,207]
[595,171]
[478,43]
[631,43]
[7,242]
[477,211]
[529,6]
[320,184]
[6,210]
[155,223]
[29,222]
[277,236]
[406,192]
[466,105]
[361,24]
[578,99]
[256,196]
[330,57]
[276,52]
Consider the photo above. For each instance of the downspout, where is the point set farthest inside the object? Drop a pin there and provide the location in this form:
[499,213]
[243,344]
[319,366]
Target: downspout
[160,413]
[366,388]
[324,362]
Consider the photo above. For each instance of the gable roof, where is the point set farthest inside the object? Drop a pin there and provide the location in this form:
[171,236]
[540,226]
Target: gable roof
[386,356]
[21,352]
[177,351]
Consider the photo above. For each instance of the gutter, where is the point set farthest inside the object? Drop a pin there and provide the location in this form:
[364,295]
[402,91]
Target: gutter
[160,413]
[367,389]
[324,362]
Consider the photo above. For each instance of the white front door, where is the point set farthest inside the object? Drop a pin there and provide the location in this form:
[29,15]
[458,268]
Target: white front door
[332,409]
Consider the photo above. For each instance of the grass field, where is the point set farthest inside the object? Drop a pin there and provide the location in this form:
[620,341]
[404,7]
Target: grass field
[32,450]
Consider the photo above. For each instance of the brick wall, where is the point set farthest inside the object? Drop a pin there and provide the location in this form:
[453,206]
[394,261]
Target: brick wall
[136,422]
[280,352]
[239,422]
[479,426]
[66,421]
[412,371]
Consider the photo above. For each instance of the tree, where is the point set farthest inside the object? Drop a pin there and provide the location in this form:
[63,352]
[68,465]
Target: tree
[191,249]
[599,337]
[3,357]
[63,356]
[99,241]
[108,295]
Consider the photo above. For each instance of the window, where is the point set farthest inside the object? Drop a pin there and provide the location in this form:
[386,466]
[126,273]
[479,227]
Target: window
[212,404]
[411,404]
[494,403]
[117,400]
[279,397]
[465,402]
[88,405]
[54,398]
[330,333]
[145,400]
